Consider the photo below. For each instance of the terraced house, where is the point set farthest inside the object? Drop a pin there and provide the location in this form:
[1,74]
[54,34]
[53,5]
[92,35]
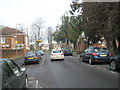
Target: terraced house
[13,43]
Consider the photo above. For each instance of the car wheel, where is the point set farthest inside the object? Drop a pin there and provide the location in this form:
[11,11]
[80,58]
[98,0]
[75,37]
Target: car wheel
[90,61]
[38,62]
[81,59]
[25,63]
[113,66]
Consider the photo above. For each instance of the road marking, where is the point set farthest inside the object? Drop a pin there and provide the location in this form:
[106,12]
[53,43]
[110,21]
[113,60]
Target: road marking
[33,83]
[99,68]
[103,68]
[30,78]
[36,83]
[113,72]
[40,86]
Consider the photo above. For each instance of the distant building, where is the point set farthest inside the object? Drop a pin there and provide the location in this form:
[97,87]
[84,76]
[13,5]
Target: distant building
[13,43]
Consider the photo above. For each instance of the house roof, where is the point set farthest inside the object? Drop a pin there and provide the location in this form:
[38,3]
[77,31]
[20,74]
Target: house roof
[9,31]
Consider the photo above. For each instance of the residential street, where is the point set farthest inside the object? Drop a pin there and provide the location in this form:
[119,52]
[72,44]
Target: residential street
[70,73]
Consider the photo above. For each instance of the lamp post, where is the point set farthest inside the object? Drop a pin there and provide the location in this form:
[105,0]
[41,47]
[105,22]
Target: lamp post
[16,42]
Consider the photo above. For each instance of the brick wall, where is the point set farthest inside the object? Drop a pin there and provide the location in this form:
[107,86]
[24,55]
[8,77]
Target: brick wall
[12,54]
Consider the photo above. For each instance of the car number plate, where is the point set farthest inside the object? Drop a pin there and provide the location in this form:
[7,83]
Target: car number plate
[30,58]
[103,55]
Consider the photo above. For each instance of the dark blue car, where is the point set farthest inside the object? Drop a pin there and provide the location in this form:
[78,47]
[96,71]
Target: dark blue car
[32,57]
[115,62]
[95,54]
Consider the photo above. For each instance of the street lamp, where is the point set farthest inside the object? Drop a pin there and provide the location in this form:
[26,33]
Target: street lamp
[16,41]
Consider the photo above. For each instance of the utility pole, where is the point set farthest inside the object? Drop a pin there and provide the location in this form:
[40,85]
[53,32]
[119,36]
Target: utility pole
[16,41]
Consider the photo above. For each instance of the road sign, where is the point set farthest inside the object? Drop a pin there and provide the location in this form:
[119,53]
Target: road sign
[16,42]
[38,40]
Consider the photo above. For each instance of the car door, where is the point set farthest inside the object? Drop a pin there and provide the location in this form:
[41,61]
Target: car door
[88,53]
[19,75]
[8,77]
[84,54]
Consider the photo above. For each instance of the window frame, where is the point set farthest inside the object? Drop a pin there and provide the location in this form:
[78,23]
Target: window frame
[3,40]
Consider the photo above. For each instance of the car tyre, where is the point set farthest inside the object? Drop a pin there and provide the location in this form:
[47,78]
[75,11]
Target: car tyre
[113,66]
[90,61]
[51,59]
[81,59]
[25,63]
[38,62]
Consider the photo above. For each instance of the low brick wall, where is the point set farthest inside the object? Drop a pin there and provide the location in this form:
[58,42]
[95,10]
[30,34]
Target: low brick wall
[12,54]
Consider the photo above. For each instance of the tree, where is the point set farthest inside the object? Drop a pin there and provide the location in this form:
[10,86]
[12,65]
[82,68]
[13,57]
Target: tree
[100,20]
[36,30]
[49,36]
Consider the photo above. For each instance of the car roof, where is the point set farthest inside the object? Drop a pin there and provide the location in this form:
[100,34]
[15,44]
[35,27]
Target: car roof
[4,59]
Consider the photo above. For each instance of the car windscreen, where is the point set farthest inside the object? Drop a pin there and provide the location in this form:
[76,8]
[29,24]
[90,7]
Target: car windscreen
[100,50]
[67,48]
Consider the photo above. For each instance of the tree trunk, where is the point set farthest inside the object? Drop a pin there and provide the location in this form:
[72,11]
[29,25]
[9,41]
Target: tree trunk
[75,46]
[67,43]
[112,47]
[115,46]
[119,45]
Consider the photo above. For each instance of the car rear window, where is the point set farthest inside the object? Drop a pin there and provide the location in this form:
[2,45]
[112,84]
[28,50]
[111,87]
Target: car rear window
[100,50]
[31,54]
[59,51]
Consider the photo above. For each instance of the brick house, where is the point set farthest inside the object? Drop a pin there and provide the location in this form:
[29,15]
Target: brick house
[13,43]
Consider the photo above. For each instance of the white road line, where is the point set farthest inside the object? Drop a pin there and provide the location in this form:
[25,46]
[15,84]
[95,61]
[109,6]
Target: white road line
[103,68]
[40,86]
[36,83]
[99,68]
[113,72]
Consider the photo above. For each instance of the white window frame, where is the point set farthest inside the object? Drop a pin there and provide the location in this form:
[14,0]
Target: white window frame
[3,39]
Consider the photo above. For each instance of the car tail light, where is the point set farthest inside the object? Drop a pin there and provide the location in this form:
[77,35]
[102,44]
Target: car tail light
[61,54]
[110,54]
[94,54]
[36,57]
[52,54]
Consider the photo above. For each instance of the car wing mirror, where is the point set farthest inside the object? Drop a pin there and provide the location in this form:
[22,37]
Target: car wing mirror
[16,73]
[22,69]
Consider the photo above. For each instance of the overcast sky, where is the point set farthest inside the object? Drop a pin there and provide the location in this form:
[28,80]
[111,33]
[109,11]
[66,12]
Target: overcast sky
[25,12]
[13,12]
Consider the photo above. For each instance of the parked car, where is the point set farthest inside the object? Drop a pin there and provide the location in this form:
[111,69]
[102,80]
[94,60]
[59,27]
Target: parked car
[68,51]
[41,52]
[95,54]
[115,62]
[12,76]
[57,55]
[32,57]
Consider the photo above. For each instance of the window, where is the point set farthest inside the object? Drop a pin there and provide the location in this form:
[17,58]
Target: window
[86,51]
[91,50]
[6,72]
[57,51]
[14,67]
[2,40]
